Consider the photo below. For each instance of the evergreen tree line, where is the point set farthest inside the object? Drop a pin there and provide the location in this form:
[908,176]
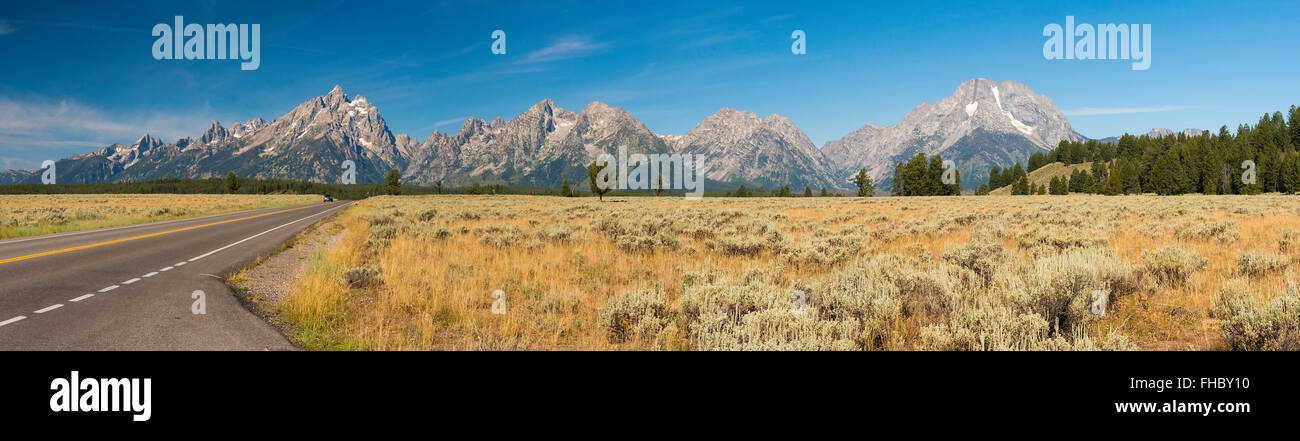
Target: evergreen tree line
[921,177]
[783,192]
[263,186]
[1255,159]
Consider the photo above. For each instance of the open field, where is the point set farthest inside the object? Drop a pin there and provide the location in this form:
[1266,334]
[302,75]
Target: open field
[941,273]
[30,215]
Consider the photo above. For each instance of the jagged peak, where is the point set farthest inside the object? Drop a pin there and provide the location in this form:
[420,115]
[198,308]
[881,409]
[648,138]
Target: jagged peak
[471,127]
[545,105]
[597,106]
[337,90]
[729,112]
[147,141]
[776,117]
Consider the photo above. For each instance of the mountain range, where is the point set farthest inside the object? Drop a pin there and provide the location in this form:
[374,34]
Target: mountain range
[984,123]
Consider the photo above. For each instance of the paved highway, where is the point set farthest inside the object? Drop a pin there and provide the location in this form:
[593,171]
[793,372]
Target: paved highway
[131,288]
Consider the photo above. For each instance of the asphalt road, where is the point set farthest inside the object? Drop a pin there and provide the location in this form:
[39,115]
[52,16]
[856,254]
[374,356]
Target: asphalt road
[132,288]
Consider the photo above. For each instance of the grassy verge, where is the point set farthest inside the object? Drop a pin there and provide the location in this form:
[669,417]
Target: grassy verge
[32,215]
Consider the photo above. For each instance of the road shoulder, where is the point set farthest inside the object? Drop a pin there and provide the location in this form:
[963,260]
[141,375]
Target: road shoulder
[265,282]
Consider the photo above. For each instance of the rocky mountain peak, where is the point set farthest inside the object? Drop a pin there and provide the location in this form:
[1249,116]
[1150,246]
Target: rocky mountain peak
[147,142]
[215,133]
[983,123]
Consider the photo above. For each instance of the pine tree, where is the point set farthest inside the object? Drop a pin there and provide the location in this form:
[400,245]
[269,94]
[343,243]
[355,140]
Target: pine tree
[934,177]
[1294,126]
[232,183]
[807,192]
[593,171]
[393,183]
[865,187]
[995,177]
[565,190]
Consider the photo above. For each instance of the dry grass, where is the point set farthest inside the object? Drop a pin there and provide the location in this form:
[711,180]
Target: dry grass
[30,215]
[946,273]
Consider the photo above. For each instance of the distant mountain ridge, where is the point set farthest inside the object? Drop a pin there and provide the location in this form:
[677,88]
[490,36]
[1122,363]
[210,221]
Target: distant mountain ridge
[984,123]
[1158,132]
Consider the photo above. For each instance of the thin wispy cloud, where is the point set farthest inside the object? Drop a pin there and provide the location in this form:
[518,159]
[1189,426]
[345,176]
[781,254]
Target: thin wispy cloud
[33,128]
[6,28]
[776,18]
[719,38]
[447,122]
[1092,111]
[574,46]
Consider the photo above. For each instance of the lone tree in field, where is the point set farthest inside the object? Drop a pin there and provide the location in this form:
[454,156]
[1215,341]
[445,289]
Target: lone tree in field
[232,183]
[592,171]
[437,186]
[807,192]
[565,190]
[865,187]
[393,183]
[659,187]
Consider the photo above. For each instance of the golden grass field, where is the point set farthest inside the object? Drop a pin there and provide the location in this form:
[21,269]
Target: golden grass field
[30,215]
[926,273]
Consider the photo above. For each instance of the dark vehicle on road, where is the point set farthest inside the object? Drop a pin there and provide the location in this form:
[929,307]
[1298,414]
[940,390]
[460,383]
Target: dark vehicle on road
[329,198]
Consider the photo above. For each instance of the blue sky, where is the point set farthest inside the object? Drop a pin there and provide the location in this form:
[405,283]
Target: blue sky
[80,75]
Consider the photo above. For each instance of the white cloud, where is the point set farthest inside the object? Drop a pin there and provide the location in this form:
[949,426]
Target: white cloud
[573,46]
[1090,111]
[37,128]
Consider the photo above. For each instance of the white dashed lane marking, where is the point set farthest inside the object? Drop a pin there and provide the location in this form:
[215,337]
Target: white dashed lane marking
[49,308]
[128,282]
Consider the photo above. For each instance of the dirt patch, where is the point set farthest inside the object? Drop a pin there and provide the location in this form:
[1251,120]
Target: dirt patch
[268,280]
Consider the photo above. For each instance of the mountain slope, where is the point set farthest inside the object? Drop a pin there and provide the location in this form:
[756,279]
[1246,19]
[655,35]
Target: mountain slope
[770,152]
[540,147]
[1042,176]
[308,143]
[984,123]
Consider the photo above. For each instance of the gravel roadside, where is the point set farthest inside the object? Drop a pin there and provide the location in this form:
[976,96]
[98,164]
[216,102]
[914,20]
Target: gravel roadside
[268,281]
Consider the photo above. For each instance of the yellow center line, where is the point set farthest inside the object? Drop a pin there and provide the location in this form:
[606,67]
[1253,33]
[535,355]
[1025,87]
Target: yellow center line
[82,247]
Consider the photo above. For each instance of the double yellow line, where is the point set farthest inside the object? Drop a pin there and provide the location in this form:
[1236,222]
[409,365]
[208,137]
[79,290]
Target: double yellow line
[128,239]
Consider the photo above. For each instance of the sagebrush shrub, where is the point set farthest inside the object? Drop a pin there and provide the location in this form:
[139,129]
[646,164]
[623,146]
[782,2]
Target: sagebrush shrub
[1250,324]
[1255,264]
[1171,264]
[981,257]
[634,315]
